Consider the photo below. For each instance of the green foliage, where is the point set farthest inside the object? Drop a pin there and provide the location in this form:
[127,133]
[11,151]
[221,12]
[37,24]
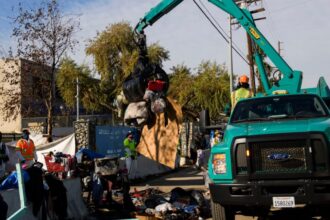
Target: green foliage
[66,83]
[211,88]
[115,53]
[157,54]
[181,81]
[269,70]
[208,88]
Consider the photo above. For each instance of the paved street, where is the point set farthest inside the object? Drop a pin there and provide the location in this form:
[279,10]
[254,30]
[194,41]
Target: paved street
[185,177]
[190,178]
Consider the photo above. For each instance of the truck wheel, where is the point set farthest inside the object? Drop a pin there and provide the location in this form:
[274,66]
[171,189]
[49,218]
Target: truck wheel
[220,212]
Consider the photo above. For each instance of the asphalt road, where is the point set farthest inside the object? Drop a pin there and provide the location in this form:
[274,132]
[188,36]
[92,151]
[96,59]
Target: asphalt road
[191,178]
[184,177]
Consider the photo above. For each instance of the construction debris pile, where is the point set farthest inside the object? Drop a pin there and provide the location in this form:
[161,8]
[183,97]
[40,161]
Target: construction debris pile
[176,205]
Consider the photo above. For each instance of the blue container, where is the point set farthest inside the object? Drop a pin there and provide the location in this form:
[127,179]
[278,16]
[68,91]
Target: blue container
[109,140]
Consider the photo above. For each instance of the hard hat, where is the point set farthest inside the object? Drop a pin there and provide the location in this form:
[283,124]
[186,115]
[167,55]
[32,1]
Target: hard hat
[244,79]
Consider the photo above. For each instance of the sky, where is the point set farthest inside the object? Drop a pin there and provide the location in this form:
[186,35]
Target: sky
[302,25]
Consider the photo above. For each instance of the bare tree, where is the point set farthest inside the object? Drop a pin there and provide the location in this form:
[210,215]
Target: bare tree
[43,36]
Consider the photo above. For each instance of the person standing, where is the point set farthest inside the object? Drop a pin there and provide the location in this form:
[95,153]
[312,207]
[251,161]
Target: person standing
[4,157]
[130,152]
[3,209]
[26,150]
[242,91]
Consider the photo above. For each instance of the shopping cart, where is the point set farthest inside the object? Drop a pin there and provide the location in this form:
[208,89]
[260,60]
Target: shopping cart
[52,165]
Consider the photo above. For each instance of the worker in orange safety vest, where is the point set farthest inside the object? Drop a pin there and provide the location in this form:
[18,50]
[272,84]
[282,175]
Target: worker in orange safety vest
[26,150]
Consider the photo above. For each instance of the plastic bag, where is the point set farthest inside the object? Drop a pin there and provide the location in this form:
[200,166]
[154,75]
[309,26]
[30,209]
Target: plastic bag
[12,182]
[158,105]
[134,88]
[198,197]
[164,207]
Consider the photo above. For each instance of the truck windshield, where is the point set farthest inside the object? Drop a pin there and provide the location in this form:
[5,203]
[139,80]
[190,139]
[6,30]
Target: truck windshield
[280,107]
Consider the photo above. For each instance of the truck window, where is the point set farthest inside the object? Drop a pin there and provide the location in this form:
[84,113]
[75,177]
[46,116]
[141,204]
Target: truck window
[279,107]
[327,102]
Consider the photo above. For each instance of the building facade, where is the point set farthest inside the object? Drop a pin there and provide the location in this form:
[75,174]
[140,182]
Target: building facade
[23,87]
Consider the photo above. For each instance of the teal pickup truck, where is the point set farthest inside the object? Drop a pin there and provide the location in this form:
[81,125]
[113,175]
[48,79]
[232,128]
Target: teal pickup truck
[275,153]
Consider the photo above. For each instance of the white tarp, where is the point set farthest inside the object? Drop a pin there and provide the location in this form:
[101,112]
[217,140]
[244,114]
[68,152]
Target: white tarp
[66,145]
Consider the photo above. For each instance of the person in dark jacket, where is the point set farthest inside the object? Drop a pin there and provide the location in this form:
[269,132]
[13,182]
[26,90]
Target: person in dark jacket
[4,157]
[58,196]
[3,209]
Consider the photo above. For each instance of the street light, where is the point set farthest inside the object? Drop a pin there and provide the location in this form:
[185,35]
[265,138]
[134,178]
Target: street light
[77,97]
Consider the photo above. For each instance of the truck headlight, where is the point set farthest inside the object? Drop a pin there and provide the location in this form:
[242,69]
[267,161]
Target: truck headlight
[219,164]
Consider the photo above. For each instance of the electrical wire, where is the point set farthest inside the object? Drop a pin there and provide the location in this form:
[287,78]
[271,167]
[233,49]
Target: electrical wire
[210,14]
[219,31]
[290,6]
[271,30]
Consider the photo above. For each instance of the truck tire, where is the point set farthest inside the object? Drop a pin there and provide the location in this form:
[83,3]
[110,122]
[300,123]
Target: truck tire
[220,212]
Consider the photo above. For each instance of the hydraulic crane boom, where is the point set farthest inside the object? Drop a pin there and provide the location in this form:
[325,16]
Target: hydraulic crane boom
[156,13]
[291,80]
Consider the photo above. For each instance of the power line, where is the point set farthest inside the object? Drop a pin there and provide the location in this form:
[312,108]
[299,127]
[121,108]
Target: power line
[271,30]
[290,6]
[224,32]
[219,31]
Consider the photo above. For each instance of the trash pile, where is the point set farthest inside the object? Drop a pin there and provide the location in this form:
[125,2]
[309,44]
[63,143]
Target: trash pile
[144,91]
[176,205]
[45,192]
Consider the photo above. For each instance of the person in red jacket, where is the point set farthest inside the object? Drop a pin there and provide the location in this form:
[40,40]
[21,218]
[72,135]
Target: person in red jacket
[26,150]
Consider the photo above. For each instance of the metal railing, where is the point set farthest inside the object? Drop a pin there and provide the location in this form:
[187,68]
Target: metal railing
[67,121]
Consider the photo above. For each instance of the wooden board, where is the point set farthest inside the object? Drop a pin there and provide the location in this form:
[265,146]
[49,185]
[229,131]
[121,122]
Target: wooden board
[159,142]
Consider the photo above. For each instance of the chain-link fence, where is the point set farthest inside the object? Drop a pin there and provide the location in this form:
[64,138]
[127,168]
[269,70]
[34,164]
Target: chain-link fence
[39,124]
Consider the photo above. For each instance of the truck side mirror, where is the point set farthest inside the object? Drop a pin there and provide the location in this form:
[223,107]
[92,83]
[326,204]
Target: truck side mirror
[204,120]
[227,109]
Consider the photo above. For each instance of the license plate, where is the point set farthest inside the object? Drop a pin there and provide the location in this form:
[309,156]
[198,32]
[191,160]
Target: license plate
[283,202]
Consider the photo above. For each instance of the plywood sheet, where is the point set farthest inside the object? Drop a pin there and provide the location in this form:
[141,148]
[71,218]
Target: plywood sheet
[159,142]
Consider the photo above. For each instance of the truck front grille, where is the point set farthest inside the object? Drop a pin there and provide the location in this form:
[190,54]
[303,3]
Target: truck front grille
[282,156]
[285,156]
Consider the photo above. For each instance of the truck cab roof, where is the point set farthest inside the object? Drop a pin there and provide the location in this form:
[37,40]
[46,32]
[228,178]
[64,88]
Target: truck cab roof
[279,107]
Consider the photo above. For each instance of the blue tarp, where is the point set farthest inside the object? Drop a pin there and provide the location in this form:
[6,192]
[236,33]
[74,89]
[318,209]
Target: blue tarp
[89,153]
[109,139]
[12,182]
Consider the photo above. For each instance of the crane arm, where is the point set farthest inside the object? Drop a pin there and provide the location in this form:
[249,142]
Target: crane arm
[291,80]
[156,13]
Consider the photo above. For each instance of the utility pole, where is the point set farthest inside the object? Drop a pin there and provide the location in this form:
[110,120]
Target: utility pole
[77,98]
[250,44]
[230,69]
[251,63]
[279,48]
